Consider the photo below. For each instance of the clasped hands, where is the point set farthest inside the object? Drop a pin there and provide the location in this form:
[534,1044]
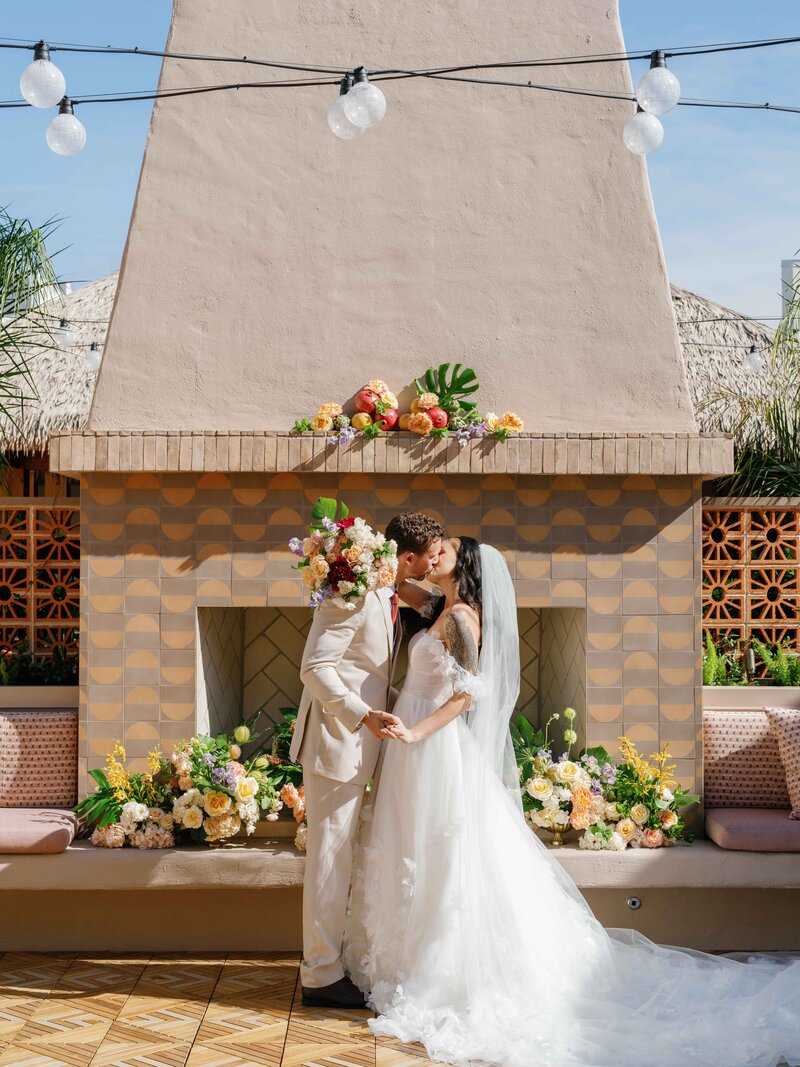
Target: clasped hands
[385,726]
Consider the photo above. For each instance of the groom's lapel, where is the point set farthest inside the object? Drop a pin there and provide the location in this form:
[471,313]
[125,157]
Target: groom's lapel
[385,597]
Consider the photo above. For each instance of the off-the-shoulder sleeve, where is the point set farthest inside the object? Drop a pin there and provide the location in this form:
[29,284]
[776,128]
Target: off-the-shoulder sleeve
[464,681]
[428,608]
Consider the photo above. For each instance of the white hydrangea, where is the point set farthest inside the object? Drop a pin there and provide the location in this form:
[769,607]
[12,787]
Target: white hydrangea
[132,813]
[616,843]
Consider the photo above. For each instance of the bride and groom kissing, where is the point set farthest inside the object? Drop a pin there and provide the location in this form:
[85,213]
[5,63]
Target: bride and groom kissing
[432,902]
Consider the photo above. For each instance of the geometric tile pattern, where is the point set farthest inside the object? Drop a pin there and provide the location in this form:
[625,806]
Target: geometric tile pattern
[219,689]
[563,666]
[39,578]
[626,549]
[234,1010]
[274,639]
[751,584]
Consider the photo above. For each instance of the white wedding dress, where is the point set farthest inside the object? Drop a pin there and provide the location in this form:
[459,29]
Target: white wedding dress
[470,938]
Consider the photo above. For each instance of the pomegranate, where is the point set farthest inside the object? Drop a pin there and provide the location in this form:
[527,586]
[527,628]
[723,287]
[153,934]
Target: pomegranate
[438,417]
[387,420]
[366,401]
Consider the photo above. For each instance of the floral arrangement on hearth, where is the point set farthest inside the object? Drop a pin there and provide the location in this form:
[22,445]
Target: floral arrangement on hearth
[635,803]
[444,406]
[203,790]
[342,558]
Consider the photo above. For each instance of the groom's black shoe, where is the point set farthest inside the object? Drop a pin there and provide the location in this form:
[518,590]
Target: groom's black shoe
[341,994]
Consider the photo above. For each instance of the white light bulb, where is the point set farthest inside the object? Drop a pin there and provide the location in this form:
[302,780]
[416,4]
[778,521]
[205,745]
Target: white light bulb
[364,105]
[64,335]
[340,124]
[753,362]
[93,357]
[42,84]
[643,133]
[66,135]
[658,91]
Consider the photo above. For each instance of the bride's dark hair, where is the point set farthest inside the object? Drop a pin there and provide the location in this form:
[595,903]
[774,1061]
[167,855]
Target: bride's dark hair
[467,576]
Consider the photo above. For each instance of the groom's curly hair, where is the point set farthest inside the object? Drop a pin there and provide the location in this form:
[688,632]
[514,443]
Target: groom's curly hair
[414,531]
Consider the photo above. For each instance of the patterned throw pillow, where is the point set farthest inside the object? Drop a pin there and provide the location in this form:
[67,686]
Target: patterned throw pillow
[742,767]
[38,758]
[785,726]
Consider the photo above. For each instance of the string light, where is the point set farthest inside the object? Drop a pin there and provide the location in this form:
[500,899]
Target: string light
[93,357]
[363,104]
[753,362]
[42,84]
[66,134]
[64,335]
[338,122]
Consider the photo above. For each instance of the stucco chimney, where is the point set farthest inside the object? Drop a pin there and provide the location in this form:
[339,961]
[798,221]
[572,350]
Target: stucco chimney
[270,267]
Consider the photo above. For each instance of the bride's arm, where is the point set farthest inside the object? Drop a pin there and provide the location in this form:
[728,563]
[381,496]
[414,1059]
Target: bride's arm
[462,633]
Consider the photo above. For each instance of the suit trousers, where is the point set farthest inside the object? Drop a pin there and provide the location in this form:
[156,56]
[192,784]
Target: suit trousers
[332,810]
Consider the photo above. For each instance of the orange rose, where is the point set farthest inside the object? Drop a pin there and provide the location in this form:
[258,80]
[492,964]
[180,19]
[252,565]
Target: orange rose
[420,424]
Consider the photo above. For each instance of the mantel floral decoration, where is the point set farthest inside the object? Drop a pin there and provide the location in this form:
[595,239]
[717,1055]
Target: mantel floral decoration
[445,406]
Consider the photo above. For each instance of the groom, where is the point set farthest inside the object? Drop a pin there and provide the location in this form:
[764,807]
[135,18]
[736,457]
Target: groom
[347,673]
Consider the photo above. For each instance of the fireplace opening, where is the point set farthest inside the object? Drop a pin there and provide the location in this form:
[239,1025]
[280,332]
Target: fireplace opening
[249,658]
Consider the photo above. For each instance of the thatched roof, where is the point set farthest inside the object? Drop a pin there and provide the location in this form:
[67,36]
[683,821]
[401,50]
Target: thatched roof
[714,338]
[715,341]
[64,384]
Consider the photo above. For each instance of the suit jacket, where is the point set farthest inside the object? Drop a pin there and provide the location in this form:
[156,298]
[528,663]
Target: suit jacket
[346,671]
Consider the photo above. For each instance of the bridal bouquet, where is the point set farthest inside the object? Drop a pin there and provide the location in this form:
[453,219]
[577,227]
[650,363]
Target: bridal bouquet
[128,807]
[342,559]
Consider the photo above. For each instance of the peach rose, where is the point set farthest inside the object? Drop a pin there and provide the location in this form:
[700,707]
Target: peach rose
[420,424]
[640,813]
[427,400]
[236,769]
[330,411]
[668,819]
[626,828]
[322,422]
[289,795]
[512,422]
[652,838]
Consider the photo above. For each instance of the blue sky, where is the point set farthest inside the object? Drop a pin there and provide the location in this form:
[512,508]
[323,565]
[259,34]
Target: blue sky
[724,182]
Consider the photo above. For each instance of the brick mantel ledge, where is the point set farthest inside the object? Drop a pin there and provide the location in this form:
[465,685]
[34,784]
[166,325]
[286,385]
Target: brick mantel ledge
[394,453]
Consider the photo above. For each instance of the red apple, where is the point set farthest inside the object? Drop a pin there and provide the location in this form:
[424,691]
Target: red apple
[388,420]
[366,401]
[438,417]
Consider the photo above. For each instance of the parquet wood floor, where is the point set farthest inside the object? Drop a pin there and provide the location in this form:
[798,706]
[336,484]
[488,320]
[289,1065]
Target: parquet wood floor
[173,1010]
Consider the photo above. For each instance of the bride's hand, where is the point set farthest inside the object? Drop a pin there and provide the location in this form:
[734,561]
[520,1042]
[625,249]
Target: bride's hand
[398,732]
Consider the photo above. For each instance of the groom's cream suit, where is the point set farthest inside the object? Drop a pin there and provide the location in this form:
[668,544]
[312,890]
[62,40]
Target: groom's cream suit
[347,671]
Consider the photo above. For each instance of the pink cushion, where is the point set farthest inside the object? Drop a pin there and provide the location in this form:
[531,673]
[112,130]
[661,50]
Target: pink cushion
[785,726]
[753,829]
[37,830]
[38,758]
[742,767]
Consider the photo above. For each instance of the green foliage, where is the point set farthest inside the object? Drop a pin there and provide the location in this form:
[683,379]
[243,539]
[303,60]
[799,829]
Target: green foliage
[280,768]
[302,426]
[440,432]
[372,430]
[327,508]
[21,667]
[452,387]
[527,743]
[102,807]
[764,418]
[784,667]
[721,664]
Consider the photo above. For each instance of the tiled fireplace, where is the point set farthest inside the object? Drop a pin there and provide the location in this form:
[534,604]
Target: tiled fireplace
[191,612]
[270,268]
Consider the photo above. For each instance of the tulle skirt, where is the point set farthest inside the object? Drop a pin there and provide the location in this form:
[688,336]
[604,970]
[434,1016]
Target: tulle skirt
[470,938]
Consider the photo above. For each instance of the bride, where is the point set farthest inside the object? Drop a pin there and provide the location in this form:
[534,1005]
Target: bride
[464,930]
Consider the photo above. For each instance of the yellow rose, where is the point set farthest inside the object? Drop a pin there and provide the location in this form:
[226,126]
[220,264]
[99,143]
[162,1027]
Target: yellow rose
[246,788]
[420,424]
[511,422]
[192,818]
[539,788]
[492,421]
[626,828]
[567,772]
[427,400]
[640,814]
[216,803]
[388,397]
[322,422]
[330,411]
[668,819]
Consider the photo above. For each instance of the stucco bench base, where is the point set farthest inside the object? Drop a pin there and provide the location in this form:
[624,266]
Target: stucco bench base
[248,895]
[33,831]
[753,829]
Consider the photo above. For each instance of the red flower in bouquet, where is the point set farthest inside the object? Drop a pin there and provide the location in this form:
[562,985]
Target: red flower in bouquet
[340,571]
[345,524]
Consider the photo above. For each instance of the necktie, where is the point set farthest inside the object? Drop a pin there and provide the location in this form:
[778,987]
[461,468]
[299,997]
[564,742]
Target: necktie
[395,608]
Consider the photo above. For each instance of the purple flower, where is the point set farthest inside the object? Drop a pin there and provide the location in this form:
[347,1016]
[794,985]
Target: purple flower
[209,759]
[315,599]
[296,546]
[217,775]
[328,523]
[596,788]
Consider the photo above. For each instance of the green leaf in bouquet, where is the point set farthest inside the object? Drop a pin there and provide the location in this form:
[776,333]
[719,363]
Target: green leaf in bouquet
[327,508]
[99,776]
[599,753]
[302,426]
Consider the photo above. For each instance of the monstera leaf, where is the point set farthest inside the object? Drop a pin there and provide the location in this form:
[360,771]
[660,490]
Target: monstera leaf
[327,508]
[452,387]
